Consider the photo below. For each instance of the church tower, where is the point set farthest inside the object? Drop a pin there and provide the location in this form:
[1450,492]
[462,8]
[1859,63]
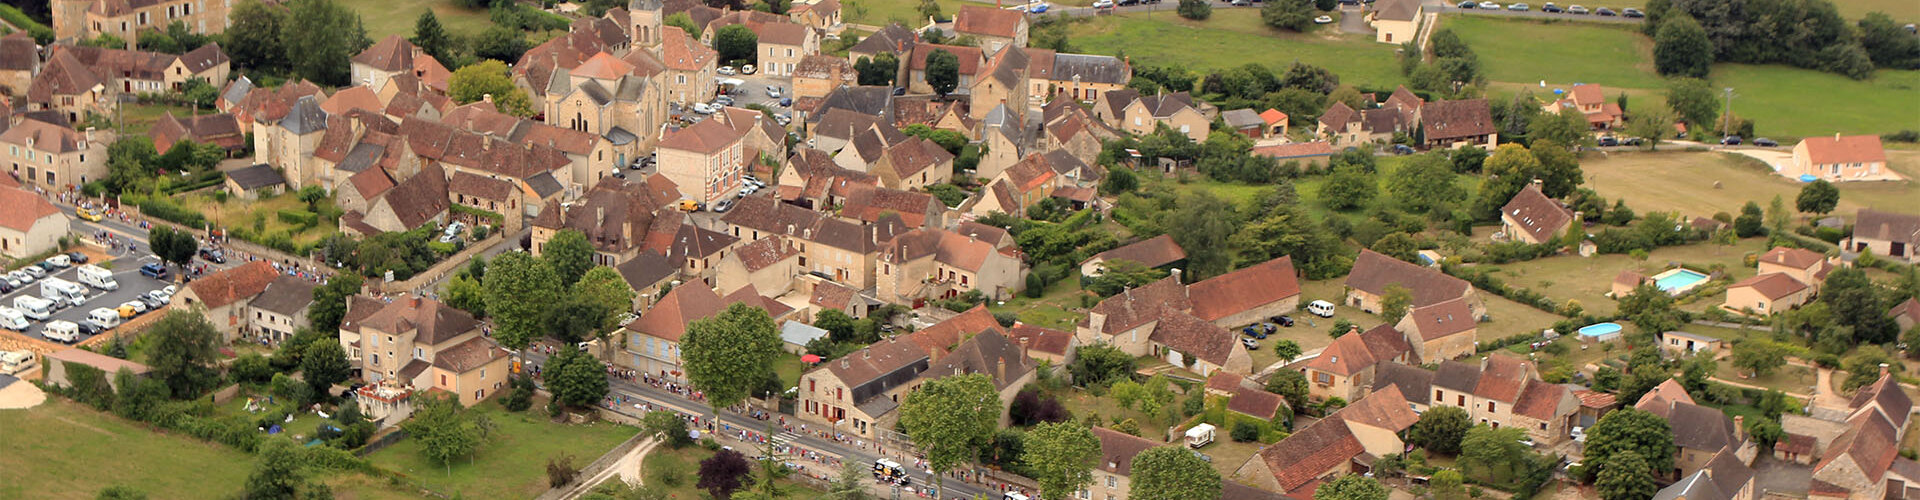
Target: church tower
[647,16]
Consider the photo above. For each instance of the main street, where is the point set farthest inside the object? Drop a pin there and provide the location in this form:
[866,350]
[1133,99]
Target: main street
[863,456]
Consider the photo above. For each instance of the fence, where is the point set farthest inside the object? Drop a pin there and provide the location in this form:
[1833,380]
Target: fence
[382,442]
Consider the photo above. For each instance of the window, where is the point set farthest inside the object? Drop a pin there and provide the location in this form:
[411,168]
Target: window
[1438,396]
[1543,426]
[1113,482]
[1322,377]
[1492,406]
[1460,401]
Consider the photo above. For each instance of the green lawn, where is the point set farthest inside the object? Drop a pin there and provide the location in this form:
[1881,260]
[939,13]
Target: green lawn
[64,449]
[881,12]
[511,463]
[1233,38]
[137,118]
[1059,308]
[396,17]
[1562,53]
[1588,279]
[681,468]
[1793,102]
[1683,181]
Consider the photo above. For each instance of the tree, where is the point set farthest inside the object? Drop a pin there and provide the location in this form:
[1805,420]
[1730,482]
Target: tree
[1494,455]
[1061,457]
[729,355]
[1286,350]
[1440,429]
[1887,44]
[851,484]
[173,246]
[723,473]
[576,378]
[951,419]
[1099,364]
[1750,222]
[931,10]
[1624,477]
[1448,484]
[880,69]
[1651,126]
[500,43]
[943,71]
[519,288]
[319,37]
[1399,246]
[839,325]
[1198,10]
[1859,304]
[253,36]
[569,254]
[1426,182]
[1348,188]
[1395,304]
[330,302]
[1296,15]
[1289,384]
[736,42]
[1694,101]
[1681,48]
[1818,197]
[444,430]
[1173,473]
[431,37]
[324,364]
[1351,487]
[1759,357]
[184,352]
[1203,224]
[277,475]
[1777,217]
[1628,430]
[668,425]
[488,79]
[605,289]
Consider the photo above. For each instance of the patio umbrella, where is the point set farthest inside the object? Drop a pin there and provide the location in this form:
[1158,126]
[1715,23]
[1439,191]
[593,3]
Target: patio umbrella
[809,358]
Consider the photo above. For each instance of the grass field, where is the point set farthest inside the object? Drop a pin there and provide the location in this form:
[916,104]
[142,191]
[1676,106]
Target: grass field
[137,118]
[881,12]
[1588,279]
[1562,53]
[396,17]
[684,464]
[1686,183]
[1785,101]
[237,212]
[511,463]
[1234,37]
[1901,10]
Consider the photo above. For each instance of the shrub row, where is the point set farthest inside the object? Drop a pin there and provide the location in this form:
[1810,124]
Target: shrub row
[1485,280]
[167,211]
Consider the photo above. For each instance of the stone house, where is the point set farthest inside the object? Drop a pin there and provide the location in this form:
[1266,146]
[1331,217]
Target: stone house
[816,75]
[768,265]
[927,264]
[54,157]
[1453,124]
[83,19]
[783,45]
[1156,252]
[1396,21]
[1885,234]
[653,341]
[1339,444]
[421,344]
[1074,77]
[705,160]
[224,297]
[993,27]
[29,224]
[1142,115]
[281,309]
[1442,331]
[1699,432]
[1374,273]
[1112,474]
[1767,294]
[1347,368]
[1533,218]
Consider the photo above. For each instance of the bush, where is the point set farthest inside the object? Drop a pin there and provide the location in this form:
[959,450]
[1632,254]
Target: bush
[301,218]
[1244,431]
[165,209]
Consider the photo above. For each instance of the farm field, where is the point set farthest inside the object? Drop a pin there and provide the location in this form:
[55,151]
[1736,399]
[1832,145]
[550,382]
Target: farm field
[881,12]
[1784,101]
[1686,182]
[1561,53]
[396,17]
[507,465]
[1234,37]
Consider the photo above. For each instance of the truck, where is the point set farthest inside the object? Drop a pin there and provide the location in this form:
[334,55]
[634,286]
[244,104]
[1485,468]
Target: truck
[33,307]
[63,293]
[98,277]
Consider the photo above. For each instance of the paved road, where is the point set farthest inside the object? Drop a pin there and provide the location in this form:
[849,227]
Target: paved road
[1535,13]
[955,489]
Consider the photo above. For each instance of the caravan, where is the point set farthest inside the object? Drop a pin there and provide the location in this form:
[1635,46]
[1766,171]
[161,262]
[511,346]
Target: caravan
[106,318]
[63,293]
[33,307]
[64,331]
[98,277]
[13,362]
[11,319]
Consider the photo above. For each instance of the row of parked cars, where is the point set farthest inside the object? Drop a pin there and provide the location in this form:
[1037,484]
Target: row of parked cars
[97,321]
[1550,8]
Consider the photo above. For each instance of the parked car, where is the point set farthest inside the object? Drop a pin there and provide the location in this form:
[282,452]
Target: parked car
[1254,331]
[1605,12]
[773,92]
[138,306]
[1765,142]
[725,100]
[702,108]
[1632,12]
[728,70]
[722,206]
[1240,3]
[35,271]
[1282,320]
[90,327]
[1323,20]
[786,102]
[213,255]
[154,270]
[153,303]
[747,69]
[1039,8]
[1731,140]
[1577,10]
[78,258]
[1550,8]
[1609,141]
[1402,149]
[1489,5]
[1103,4]
[1250,343]
[1519,7]
[1468,4]
[783,118]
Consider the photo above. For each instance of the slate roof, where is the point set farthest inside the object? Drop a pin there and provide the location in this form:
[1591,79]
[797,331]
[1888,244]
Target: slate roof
[797,333]
[305,117]
[1414,382]
[646,269]
[989,352]
[1696,486]
[1242,118]
[1373,272]
[1153,252]
[892,38]
[1878,225]
[258,176]
[286,296]
[873,365]
[1397,10]
[1090,68]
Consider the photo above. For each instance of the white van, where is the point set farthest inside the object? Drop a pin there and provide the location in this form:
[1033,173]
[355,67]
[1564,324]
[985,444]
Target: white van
[98,277]
[64,331]
[60,261]
[63,293]
[1320,308]
[34,307]
[107,318]
[12,362]
[11,319]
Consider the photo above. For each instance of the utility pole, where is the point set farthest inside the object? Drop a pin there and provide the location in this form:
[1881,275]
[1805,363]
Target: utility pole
[1726,115]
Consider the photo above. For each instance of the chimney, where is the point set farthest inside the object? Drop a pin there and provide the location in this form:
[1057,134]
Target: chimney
[866,353]
[89,134]
[414,302]
[1739,427]
[1537,183]
[1025,343]
[1353,330]
[933,354]
[1176,274]
[1883,369]
[1000,368]
[486,98]
[843,363]
[599,216]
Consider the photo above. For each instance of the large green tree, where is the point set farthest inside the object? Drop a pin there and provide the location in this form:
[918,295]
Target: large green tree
[1440,429]
[1628,430]
[1173,473]
[1681,48]
[569,254]
[172,246]
[519,289]
[330,302]
[731,354]
[320,36]
[1759,357]
[951,419]
[431,37]
[277,476]
[1888,44]
[576,378]
[1625,477]
[1818,197]
[1494,455]
[253,36]
[488,79]
[1425,182]
[881,69]
[1203,224]
[1349,188]
[1694,101]
[183,352]
[1295,15]
[324,364]
[1860,304]
[943,71]
[1061,456]
[445,431]
[735,43]
[1351,487]
[604,288]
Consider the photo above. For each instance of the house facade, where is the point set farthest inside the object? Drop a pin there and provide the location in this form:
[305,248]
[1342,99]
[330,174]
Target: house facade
[1885,234]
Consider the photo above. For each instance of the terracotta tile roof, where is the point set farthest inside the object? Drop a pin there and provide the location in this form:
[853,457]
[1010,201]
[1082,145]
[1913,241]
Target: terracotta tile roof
[988,21]
[1030,173]
[1878,225]
[1196,337]
[823,66]
[479,186]
[866,372]
[916,155]
[1540,216]
[352,98]
[1797,258]
[1044,340]
[992,235]
[433,322]
[1117,450]
[1338,116]
[946,247]
[1596,399]
[946,335]
[1384,409]
[1328,444]
[668,318]
[468,356]
[971,58]
[706,137]
[1346,356]
[603,66]
[371,182]
[1798,444]
[1273,116]
[1404,100]
[1135,307]
[750,296]
[870,203]
[1256,402]
[1385,343]
[1544,401]
[1501,378]
[1662,398]
[1440,320]
[63,75]
[392,53]
[1825,150]
[1457,119]
[45,137]
[20,209]
[765,252]
[832,295]
[1373,272]
[18,52]
[1910,309]
[681,52]
[1295,150]
[1773,286]
[232,285]
[1244,289]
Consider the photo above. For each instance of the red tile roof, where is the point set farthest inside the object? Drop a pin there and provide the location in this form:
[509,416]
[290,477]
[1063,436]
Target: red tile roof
[1844,149]
[1295,150]
[19,209]
[989,21]
[1540,216]
[668,319]
[1152,252]
[1773,286]
[1244,289]
[1797,258]
[1373,272]
[1443,319]
[226,287]
[1501,378]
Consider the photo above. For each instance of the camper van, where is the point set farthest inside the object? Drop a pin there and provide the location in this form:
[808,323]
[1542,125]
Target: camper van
[1320,308]
[63,293]
[34,307]
[64,331]
[14,362]
[98,277]
[11,319]
[107,318]
[1200,435]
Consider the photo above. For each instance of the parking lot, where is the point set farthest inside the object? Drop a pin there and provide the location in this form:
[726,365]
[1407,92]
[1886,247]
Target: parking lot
[126,272]
[752,90]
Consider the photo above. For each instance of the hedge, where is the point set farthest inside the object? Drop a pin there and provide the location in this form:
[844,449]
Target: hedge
[475,212]
[41,33]
[167,211]
[300,218]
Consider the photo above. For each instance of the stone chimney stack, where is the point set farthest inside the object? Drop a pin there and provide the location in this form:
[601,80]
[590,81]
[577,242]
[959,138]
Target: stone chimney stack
[1025,344]
[1739,427]
[89,135]
[1176,275]
[486,98]
[1883,369]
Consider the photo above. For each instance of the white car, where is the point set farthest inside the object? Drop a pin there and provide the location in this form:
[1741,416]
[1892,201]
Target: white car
[728,70]
[35,271]
[138,306]
[702,108]
[1323,20]
[747,70]
[1103,4]
[773,92]
[1489,5]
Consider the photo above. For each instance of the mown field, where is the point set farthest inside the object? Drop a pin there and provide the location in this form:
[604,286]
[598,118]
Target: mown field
[511,463]
[396,17]
[1686,179]
[1233,37]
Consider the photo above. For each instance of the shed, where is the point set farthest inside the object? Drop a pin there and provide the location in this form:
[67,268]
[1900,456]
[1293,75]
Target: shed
[256,181]
[795,335]
[60,366]
[1688,343]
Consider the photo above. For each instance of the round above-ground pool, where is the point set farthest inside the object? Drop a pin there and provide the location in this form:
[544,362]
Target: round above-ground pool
[1601,332]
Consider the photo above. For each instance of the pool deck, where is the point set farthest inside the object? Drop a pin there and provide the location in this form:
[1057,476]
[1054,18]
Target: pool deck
[1681,289]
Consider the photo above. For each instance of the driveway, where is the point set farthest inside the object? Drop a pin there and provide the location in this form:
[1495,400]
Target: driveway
[1353,19]
[1777,159]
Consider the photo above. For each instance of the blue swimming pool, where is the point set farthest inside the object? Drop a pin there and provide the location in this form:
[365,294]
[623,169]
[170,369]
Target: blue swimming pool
[1678,280]
[1601,331]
